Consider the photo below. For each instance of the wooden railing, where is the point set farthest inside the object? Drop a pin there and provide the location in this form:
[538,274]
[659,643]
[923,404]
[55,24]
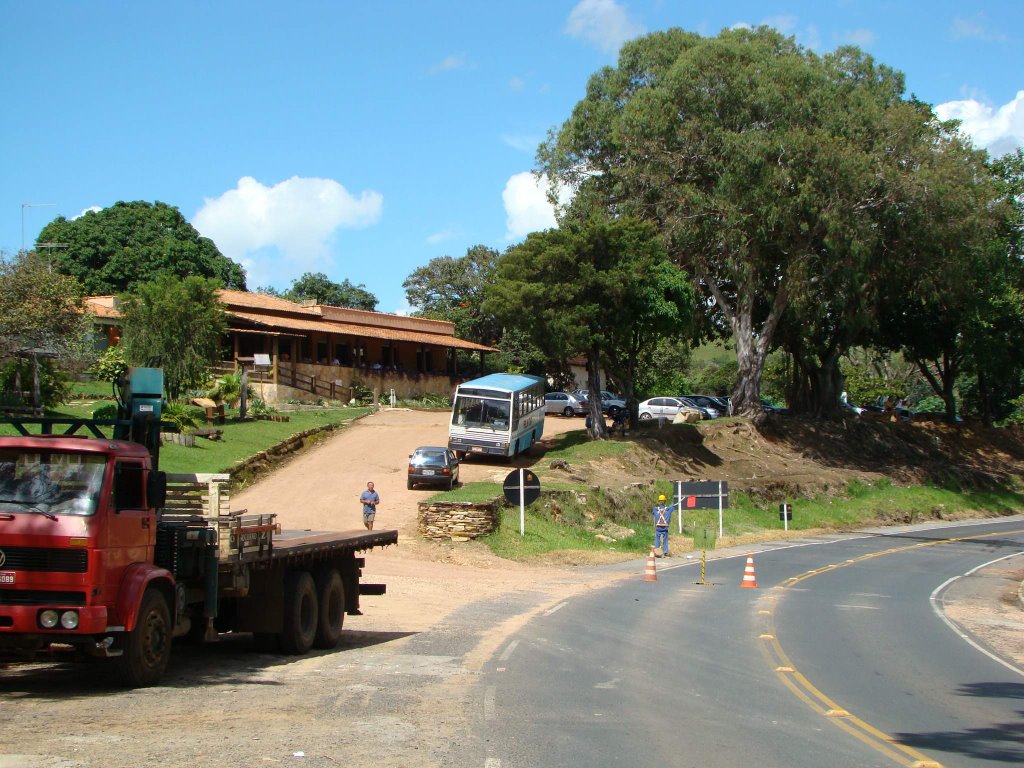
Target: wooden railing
[287,375]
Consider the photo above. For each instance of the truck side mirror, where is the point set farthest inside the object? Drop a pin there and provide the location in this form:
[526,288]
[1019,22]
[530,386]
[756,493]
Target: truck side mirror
[156,488]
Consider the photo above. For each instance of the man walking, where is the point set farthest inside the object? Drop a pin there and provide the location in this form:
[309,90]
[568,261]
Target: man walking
[370,499]
[662,519]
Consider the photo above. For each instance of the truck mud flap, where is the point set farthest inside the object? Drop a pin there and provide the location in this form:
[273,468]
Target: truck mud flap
[373,589]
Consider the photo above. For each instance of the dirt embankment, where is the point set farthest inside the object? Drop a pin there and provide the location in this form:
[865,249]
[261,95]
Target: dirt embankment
[776,456]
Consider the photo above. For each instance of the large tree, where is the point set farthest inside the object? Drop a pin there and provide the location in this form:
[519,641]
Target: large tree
[117,248]
[762,163]
[601,288]
[944,289]
[318,287]
[177,324]
[452,289]
[41,314]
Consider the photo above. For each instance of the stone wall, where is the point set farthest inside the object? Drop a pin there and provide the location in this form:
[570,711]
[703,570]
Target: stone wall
[457,520]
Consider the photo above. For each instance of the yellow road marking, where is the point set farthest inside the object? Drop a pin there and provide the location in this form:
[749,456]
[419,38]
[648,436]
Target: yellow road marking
[802,688]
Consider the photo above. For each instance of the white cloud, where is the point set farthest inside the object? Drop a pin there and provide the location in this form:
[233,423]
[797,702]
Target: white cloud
[975,28]
[602,22]
[448,63]
[90,209]
[997,129]
[859,37]
[741,25]
[785,24]
[285,228]
[516,84]
[521,142]
[526,205]
[441,237]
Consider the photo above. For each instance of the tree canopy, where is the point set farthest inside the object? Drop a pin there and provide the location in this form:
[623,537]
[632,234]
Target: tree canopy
[769,170]
[453,289]
[41,311]
[318,287]
[120,247]
[177,324]
[600,288]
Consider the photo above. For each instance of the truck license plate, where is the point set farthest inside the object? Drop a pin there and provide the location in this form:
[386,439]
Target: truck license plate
[6,577]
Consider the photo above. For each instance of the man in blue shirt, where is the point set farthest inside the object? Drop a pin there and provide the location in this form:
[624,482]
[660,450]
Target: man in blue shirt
[370,499]
[662,518]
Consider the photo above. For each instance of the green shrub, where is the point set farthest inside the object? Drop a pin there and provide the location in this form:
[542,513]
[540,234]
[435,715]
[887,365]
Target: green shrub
[111,365]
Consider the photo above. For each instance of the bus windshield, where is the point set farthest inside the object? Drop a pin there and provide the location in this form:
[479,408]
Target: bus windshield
[481,412]
[51,481]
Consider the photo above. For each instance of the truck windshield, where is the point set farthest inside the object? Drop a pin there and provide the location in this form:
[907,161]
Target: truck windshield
[57,482]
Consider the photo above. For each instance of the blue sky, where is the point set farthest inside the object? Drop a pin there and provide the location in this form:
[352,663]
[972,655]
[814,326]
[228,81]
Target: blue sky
[364,139]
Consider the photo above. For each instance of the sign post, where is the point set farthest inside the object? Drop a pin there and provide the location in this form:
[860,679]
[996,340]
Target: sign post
[785,514]
[679,504]
[521,487]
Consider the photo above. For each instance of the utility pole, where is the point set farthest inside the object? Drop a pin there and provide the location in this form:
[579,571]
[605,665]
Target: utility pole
[30,205]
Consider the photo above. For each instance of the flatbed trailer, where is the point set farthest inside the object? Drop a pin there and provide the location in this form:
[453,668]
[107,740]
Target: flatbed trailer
[102,552]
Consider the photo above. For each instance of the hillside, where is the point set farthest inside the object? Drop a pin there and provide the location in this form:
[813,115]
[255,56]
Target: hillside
[775,457]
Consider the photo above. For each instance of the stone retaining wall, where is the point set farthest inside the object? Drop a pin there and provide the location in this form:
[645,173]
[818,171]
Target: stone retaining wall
[457,520]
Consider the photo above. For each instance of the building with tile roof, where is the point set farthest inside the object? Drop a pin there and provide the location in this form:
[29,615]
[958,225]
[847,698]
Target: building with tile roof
[310,351]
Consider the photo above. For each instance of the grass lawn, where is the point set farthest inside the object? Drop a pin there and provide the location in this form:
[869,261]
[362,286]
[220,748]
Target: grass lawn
[240,439]
[582,512]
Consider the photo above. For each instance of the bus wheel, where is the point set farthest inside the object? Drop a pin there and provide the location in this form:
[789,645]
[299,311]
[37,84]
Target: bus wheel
[332,608]
[300,613]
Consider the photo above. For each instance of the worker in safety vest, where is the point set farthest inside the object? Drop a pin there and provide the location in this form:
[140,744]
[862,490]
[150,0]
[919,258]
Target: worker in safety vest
[662,519]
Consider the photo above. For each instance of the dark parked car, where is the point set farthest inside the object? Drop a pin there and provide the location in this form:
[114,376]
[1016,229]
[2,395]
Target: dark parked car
[719,404]
[432,465]
[709,408]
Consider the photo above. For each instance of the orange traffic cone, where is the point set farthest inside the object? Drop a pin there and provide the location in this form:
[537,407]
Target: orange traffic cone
[749,579]
[650,572]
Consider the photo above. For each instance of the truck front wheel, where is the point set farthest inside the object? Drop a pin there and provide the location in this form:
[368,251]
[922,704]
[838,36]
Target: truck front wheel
[300,613]
[331,592]
[147,648]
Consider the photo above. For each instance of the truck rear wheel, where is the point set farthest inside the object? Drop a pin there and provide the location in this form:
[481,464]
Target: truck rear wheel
[331,593]
[147,648]
[300,613]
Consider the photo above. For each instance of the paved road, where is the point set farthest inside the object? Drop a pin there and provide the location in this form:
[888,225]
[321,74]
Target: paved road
[837,658]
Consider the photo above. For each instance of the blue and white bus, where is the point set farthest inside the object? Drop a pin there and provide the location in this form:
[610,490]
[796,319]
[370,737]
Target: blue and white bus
[497,415]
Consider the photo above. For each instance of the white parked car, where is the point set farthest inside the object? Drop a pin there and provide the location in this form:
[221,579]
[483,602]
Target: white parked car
[661,408]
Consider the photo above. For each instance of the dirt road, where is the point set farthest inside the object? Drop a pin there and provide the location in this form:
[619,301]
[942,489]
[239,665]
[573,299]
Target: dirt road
[393,693]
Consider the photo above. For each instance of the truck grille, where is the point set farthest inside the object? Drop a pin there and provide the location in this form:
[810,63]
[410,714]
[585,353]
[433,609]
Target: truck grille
[47,560]
[40,597]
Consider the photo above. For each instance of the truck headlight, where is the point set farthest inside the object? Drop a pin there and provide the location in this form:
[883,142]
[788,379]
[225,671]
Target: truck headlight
[69,619]
[48,618]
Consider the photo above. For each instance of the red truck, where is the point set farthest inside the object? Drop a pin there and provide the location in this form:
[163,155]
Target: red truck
[98,551]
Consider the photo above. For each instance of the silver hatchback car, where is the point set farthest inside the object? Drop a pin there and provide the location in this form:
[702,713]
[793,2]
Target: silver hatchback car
[565,404]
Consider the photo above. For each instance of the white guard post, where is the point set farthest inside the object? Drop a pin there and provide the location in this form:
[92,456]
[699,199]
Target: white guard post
[720,509]
[522,502]
[679,504]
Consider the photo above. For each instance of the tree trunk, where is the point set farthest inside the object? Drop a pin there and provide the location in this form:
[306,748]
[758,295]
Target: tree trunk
[825,382]
[985,397]
[37,397]
[949,386]
[746,399]
[598,431]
